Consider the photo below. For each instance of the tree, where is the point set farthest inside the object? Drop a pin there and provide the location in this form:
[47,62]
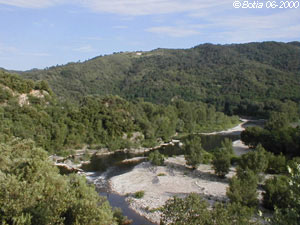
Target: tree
[193,210]
[291,214]
[277,164]
[276,193]
[243,188]
[221,163]
[252,136]
[156,158]
[277,120]
[256,160]
[33,192]
[193,151]
[226,144]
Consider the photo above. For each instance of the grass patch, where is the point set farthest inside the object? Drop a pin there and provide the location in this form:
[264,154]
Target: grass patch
[161,174]
[139,194]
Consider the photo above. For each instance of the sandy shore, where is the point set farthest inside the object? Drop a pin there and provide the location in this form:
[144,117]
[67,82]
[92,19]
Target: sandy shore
[240,148]
[238,128]
[161,183]
[174,179]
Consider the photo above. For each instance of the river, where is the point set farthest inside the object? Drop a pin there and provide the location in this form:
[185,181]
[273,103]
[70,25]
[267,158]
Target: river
[111,165]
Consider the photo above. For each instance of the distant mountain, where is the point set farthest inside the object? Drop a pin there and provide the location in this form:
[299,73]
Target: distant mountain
[235,78]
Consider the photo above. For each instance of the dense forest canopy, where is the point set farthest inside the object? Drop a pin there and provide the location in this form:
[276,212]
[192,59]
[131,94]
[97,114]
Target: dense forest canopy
[248,79]
[29,110]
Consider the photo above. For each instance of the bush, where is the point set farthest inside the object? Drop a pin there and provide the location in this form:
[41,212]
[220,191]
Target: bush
[33,192]
[276,192]
[277,164]
[227,146]
[139,194]
[156,158]
[256,160]
[161,174]
[206,157]
[193,151]
[193,210]
[243,188]
[221,163]
[291,214]
[234,160]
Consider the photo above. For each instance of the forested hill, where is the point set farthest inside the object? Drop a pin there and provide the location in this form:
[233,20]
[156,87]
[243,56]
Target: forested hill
[29,110]
[237,78]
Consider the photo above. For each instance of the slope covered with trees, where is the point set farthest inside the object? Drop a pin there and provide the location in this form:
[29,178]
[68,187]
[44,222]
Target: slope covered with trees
[33,192]
[249,79]
[29,110]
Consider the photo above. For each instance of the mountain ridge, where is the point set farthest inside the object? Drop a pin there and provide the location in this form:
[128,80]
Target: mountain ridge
[215,74]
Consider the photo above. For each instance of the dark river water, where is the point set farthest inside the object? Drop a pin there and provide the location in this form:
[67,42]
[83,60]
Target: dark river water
[111,165]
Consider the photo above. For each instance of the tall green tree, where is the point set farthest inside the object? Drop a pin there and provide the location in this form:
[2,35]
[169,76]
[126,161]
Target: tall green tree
[290,214]
[243,188]
[221,163]
[193,151]
[33,192]
[193,210]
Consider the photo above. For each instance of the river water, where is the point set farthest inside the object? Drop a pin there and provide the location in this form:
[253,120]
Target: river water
[104,167]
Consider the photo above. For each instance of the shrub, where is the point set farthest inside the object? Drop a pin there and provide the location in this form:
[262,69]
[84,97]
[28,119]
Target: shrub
[256,160]
[206,157]
[193,210]
[139,194]
[277,164]
[234,160]
[161,174]
[243,188]
[156,158]
[221,163]
[193,151]
[276,192]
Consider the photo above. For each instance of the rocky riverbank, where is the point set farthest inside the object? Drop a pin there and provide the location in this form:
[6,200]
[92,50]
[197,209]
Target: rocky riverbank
[163,182]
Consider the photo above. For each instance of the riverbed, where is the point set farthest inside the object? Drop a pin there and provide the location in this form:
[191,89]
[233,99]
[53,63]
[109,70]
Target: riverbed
[128,175]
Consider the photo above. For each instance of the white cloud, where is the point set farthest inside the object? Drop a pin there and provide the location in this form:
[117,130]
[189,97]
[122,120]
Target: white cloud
[4,49]
[31,3]
[96,38]
[173,31]
[84,49]
[150,7]
[120,27]
[215,19]
[277,26]
[38,54]
[127,7]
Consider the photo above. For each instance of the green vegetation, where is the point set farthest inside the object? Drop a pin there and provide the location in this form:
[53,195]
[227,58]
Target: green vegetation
[291,213]
[139,194]
[244,79]
[221,163]
[256,160]
[222,158]
[243,188]
[99,121]
[276,192]
[193,151]
[163,93]
[161,174]
[33,192]
[276,164]
[193,210]
[156,158]
[277,140]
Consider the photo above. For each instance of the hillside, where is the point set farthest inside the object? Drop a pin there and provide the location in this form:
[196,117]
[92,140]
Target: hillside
[237,78]
[29,110]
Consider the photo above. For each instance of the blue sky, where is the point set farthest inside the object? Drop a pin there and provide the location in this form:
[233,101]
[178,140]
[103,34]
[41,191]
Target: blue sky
[43,33]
